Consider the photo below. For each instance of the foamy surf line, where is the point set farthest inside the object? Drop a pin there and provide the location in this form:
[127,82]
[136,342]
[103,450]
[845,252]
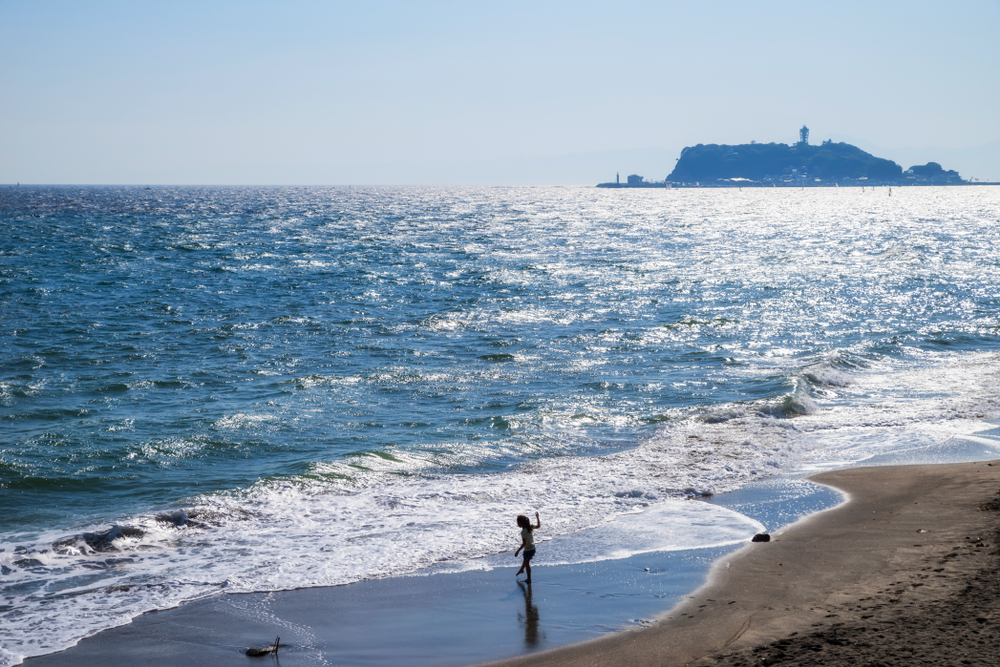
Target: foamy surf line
[362,519]
[671,526]
[106,578]
[586,584]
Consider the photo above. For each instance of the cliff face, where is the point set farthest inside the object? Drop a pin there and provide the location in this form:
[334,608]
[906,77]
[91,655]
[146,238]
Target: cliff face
[707,163]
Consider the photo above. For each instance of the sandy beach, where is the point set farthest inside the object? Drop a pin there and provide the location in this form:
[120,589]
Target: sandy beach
[903,573]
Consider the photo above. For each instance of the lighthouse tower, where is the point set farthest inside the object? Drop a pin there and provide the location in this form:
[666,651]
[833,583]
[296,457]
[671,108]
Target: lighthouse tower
[804,135]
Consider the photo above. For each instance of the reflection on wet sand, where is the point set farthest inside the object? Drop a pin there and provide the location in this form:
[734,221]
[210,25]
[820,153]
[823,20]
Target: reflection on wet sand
[529,619]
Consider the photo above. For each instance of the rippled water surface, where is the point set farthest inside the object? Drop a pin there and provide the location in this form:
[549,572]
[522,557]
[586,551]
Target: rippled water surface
[207,389]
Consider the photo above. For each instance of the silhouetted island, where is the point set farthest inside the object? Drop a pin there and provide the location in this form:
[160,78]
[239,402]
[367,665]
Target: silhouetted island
[801,164]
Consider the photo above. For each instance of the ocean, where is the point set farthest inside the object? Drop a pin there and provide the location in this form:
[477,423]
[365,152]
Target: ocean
[235,389]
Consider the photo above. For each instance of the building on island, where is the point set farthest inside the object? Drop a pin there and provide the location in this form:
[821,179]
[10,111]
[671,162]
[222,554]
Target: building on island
[634,181]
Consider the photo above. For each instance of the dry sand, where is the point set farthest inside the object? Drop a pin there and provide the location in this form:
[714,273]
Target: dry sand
[906,573]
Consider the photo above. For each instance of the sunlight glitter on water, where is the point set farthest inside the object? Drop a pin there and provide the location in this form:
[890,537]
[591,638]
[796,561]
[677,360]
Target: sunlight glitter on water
[247,389]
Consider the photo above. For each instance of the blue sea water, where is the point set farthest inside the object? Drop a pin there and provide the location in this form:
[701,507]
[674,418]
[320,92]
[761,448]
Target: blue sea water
[247,388]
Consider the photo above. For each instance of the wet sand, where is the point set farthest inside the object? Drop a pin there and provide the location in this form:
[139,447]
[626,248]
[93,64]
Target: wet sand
[429,620]
[906,573]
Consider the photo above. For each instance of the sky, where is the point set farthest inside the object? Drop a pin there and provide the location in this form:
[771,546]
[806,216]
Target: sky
[384,92]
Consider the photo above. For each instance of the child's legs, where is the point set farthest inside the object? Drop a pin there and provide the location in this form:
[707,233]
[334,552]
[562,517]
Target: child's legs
[526,565]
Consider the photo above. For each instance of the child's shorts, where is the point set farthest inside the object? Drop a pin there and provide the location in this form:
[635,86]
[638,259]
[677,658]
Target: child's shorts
[528,555]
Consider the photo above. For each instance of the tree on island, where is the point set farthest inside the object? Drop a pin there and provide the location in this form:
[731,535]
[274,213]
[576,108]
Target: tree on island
[932,172]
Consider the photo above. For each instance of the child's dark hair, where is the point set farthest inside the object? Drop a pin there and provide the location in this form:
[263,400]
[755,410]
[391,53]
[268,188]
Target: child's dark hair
[523,522]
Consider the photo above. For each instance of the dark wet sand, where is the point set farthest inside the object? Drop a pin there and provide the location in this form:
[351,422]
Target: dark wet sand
[440,620]
[903,574]
[906,573]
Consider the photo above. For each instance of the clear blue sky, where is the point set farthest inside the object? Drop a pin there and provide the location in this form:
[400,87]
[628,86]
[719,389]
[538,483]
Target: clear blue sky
[461,92]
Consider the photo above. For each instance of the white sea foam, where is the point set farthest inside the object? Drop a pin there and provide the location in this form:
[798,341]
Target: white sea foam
[670,526]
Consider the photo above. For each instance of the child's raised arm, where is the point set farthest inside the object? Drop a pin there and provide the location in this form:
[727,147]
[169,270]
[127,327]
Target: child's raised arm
[538,522]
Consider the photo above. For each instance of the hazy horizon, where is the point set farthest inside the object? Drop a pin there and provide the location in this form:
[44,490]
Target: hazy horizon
[442,93]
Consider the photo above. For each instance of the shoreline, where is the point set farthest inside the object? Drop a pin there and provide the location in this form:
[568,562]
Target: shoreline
[827,562]
[910,541]
[755,184]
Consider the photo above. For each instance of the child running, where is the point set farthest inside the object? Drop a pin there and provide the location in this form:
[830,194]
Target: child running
[527,543]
